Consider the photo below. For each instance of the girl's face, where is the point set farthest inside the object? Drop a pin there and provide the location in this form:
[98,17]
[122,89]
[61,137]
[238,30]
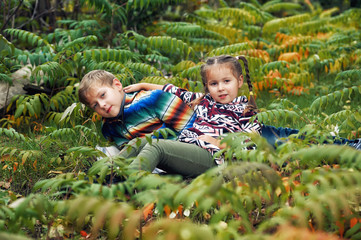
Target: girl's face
[222,84]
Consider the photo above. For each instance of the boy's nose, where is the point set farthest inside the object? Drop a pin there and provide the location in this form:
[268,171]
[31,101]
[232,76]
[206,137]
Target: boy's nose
[102,103]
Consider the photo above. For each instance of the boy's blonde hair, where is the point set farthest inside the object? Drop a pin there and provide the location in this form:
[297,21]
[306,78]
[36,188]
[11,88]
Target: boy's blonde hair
[92,79]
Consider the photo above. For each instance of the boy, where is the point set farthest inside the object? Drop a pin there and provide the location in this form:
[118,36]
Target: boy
[130,115]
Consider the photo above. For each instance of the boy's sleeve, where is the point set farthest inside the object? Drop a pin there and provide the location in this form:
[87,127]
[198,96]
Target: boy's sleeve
[173,111]
[183,94]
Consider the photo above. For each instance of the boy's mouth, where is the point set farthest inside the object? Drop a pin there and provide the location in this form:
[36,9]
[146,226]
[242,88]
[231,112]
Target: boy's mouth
[222,96]
[109,109]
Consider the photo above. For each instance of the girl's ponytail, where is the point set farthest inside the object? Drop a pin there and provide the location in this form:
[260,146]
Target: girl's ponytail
[252,102]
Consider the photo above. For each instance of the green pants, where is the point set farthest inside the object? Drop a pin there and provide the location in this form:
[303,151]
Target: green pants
[174,157]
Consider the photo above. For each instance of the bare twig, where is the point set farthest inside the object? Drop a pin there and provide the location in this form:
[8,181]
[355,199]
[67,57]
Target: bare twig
[7,20]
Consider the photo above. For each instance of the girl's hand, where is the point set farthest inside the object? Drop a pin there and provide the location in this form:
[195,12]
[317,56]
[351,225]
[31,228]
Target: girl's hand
[212,140]
[142,86]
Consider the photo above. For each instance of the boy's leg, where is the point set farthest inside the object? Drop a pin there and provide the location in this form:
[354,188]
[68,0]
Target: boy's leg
[189,160]
[133,148]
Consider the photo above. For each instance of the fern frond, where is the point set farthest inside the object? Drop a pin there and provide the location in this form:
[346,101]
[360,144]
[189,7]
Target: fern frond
[144,68]
[12,134]
[155,80]
[277,115]
[275,24]
[192,73]
[352,75]
[259,15]
[328,13]
[99,55]
[233,49]
[336,97]
[284,6]
[190,30]
[79,43]
[53,70]
[170,45]
[63,99]
[281,66]
[28,37]
[314,156]
[136,4]
[102,5]
[310,26]
[233,35]
[238,15]
[6,47]
[117,218]
[181,66]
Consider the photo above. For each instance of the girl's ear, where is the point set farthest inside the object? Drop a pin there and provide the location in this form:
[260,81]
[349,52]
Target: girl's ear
[117,84]
[240,81]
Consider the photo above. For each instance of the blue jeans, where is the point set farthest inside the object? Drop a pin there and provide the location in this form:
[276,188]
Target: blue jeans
[273,134]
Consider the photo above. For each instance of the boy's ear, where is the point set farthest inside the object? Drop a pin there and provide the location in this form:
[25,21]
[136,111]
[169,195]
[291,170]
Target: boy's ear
[117,84]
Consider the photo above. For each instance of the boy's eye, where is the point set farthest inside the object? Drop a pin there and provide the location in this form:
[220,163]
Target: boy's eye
[213,84]
[95,105]
[227,80]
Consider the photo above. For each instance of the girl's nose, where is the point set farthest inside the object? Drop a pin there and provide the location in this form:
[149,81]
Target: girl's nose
[220,87]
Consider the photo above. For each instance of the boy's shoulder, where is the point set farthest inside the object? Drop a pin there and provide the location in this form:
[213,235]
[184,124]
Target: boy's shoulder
[145,96]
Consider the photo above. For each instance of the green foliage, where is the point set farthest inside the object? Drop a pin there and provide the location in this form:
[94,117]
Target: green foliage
[304,65]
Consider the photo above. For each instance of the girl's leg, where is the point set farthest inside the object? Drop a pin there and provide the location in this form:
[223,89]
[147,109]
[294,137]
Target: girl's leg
[189,160]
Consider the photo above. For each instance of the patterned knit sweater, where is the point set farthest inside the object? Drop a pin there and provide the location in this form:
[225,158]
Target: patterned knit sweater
[214,119]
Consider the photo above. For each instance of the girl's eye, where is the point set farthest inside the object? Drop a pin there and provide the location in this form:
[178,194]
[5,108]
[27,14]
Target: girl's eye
[95,105]
[213,84]
[227,80]
[103,94]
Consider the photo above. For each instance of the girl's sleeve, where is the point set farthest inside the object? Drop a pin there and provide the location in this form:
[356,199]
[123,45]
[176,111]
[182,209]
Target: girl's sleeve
[254,126]
[183,94]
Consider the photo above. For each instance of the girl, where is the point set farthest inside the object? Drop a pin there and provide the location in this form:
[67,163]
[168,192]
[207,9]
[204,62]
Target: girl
[218,111]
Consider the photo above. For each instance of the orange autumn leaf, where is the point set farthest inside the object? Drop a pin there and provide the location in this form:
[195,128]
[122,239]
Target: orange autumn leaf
[180,210]
[341,227]
[353,222]
[167,210]
[290,57]
[148,210]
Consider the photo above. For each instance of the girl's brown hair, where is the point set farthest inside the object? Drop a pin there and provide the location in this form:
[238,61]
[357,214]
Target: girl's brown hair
[92,79]
[236,68]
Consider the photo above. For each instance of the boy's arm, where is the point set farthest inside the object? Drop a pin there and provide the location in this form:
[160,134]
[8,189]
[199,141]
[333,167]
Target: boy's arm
[142,86]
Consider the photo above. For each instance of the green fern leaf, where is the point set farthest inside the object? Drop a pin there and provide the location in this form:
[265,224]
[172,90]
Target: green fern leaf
[230,49]
[31,38]
[170,45]
[239,15]
[334,97]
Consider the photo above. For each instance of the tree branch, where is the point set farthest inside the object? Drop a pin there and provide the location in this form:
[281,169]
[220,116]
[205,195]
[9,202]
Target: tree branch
[7,20]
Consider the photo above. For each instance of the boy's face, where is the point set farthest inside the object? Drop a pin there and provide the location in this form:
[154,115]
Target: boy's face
[106,100]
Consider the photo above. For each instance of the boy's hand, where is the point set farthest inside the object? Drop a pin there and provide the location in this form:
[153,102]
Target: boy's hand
[133,88]
[212,140]
[142,86]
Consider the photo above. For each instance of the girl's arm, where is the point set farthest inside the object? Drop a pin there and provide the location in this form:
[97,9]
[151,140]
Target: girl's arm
[142,86]
[212,140]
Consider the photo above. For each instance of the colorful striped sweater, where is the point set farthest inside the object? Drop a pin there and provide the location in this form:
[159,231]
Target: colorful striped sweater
[214,119]
[144,112]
